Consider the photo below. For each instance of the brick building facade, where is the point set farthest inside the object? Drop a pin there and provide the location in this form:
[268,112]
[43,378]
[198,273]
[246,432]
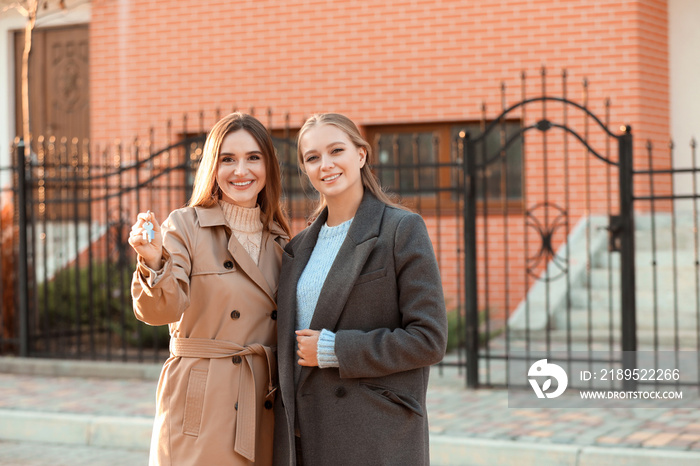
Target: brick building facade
[392,66]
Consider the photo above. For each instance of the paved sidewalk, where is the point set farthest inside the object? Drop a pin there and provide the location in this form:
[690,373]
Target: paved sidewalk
[33,454]
[101,413]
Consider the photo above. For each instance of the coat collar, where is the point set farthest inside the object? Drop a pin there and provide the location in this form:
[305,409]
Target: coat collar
[365,225]
[264,274]
[213,216]
[210,216]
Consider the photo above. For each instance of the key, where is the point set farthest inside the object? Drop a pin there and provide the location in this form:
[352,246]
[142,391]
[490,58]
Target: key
[148,233]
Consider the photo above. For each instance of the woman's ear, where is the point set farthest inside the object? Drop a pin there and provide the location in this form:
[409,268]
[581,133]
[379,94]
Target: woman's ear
[363,156]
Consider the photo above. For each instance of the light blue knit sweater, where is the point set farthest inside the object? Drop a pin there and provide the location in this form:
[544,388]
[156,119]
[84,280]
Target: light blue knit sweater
[311,282]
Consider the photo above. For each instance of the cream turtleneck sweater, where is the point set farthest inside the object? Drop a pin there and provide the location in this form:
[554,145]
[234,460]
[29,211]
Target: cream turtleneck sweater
[246,226]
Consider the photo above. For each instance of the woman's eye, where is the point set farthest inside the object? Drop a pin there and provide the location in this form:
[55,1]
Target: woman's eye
[310,158]
[254,157]
[227,159]
[337,150]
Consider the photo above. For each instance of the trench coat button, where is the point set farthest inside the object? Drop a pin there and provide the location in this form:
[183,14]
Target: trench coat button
[236,359]
[340,392]
[235,314]
[268,404]
[236,406]
[273,316]
[228,264]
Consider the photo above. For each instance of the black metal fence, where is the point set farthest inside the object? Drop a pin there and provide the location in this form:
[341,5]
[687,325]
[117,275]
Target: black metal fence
[541,217]
[73,209]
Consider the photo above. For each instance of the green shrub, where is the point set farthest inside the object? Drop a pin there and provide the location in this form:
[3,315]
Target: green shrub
[456,330]
[103,302]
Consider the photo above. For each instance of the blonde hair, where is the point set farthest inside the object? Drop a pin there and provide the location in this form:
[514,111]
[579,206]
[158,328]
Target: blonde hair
[206,192]
[369,179]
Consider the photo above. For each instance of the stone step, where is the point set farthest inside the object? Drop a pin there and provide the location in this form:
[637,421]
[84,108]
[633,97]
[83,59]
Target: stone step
[664,239]
[687,340]
[663,298]
[685,276]
[667,278]
[647,320]
[683,258]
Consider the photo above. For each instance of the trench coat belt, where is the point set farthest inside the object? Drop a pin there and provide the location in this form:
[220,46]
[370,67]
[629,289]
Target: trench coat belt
[246,430]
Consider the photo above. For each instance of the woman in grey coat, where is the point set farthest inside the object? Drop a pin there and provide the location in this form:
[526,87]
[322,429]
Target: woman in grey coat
[361,316]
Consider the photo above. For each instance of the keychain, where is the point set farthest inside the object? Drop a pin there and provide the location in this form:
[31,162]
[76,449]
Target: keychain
[148,229]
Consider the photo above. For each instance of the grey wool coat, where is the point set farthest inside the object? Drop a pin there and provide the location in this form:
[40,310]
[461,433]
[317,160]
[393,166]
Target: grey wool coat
[383,299]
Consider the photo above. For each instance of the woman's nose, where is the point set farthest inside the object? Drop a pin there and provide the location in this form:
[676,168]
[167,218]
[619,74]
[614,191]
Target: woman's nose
[326,162]
[240,168]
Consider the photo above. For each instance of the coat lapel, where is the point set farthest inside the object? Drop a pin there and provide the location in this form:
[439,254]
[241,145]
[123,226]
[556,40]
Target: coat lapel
[214,216]
[292,268]
[348,263]
[248,266]
[302,253]
[270,257]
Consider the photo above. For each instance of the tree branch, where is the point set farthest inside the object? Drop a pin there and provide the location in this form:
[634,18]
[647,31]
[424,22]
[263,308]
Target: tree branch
[16,6]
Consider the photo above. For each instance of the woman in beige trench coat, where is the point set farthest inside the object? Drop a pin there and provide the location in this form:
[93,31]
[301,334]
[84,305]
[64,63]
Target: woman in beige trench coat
[210,272]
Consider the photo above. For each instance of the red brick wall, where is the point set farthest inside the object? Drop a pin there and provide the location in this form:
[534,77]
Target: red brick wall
[377,61]
[395,61]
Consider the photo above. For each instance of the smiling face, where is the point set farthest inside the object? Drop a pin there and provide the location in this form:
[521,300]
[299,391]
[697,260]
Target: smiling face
[241,169]
[332,162]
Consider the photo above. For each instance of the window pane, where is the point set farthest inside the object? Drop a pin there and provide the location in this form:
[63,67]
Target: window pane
[406,162]
[493,179]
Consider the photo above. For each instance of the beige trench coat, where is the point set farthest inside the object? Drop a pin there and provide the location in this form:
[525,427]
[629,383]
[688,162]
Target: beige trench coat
[217,388]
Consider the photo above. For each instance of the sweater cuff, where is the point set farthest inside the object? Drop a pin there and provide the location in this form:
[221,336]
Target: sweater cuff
[326,350]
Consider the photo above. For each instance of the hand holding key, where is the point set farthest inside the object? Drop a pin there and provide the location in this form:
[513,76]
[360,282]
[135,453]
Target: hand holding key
[146,240]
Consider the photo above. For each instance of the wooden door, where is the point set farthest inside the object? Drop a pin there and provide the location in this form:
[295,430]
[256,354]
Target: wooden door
[58,82]
[59,107]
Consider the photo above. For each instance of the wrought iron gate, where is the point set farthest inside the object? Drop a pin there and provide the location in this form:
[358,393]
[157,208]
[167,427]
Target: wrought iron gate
[541,268]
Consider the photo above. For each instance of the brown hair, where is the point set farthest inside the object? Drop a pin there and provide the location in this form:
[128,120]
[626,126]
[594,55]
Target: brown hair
[369,179]
[206,191]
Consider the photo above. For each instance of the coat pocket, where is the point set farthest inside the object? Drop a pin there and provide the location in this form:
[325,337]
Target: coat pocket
[399,399]
[194,402]
[368,277]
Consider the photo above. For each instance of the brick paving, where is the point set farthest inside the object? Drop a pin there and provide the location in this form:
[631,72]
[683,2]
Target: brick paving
[455,412]
[460,412]
[104,397]
[29,454]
